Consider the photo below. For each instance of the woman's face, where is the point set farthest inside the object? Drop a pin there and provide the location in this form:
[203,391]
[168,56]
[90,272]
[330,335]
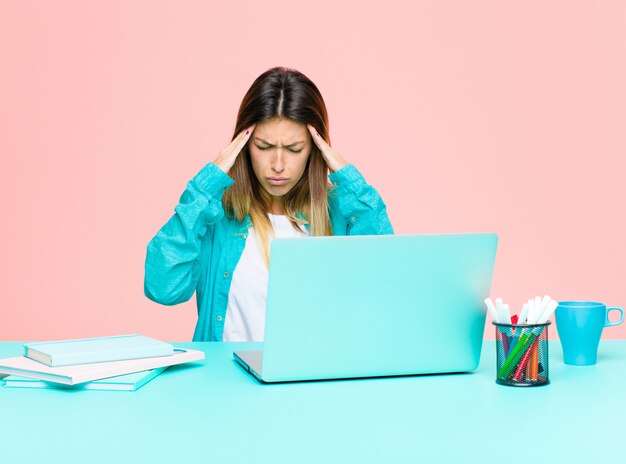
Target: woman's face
[279,150]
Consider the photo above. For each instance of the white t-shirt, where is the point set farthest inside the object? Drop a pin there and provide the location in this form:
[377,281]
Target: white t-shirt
[245,313]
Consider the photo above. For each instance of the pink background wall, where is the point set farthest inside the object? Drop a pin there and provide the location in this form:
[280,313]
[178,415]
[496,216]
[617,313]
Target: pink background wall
[467,117]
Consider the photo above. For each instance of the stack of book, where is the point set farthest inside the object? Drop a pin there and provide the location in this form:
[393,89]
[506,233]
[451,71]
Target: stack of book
[124,362]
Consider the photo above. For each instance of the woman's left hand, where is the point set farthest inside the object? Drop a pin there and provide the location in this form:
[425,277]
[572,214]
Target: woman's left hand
[333,160]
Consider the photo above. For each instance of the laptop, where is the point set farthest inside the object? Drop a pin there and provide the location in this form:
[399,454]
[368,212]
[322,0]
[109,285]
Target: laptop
[373,305]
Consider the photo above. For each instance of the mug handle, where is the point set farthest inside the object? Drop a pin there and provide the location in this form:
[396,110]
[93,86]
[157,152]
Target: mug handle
[618,322]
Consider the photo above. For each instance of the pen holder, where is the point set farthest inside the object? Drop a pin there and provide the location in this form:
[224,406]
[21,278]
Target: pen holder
[522,354]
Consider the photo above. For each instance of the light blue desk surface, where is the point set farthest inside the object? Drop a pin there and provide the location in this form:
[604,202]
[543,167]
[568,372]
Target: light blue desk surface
[213,411]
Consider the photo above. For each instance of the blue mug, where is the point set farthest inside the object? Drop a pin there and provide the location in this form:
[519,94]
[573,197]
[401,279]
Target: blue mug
[579,325]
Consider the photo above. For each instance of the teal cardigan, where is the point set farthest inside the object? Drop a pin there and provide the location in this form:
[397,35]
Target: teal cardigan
[199,247]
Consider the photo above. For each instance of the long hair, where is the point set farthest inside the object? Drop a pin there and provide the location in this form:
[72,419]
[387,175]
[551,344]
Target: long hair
[281,93]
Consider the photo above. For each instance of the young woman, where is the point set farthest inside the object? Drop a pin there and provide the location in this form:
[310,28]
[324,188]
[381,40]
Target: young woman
[271,181]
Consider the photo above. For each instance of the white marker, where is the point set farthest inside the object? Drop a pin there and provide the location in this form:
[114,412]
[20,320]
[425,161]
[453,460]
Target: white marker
[543,305]
[531,311]
[507,313]
[523,315]
[501,314]
[547,314]
[491,309]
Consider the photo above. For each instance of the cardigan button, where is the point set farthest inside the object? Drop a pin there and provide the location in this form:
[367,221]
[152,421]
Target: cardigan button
[354,219]
[226,274]
[243,235]
[219,318]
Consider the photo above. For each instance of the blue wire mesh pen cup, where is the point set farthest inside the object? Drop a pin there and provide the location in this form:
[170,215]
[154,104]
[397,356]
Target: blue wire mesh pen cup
[522,354]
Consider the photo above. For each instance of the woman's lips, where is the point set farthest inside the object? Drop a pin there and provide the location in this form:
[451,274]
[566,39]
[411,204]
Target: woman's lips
[277,181]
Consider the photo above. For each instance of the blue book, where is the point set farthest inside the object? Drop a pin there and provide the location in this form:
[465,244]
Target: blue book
[95,350]
[127,382]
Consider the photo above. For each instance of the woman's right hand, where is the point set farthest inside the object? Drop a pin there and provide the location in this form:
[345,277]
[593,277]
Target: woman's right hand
[227,157]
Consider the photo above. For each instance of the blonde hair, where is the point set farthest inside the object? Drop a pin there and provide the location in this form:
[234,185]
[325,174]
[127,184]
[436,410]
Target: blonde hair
[281,93]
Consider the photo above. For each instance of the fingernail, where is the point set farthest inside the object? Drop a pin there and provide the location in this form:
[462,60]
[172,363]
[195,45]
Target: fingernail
[247,132]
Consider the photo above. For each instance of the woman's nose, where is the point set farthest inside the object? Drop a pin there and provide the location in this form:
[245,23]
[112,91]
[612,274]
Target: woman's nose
[278,164]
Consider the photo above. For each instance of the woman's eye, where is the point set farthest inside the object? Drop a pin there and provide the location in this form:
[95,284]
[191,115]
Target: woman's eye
[267,148]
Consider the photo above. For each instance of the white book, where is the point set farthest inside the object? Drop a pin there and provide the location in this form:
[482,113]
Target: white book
[126,382]
[73,375]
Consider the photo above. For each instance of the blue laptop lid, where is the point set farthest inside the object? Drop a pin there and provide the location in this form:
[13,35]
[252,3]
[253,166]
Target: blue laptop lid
[360,306]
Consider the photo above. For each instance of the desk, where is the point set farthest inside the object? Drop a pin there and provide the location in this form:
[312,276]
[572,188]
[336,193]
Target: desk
[213,411]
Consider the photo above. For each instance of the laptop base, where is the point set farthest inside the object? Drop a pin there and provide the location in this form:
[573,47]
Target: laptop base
[252,361]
